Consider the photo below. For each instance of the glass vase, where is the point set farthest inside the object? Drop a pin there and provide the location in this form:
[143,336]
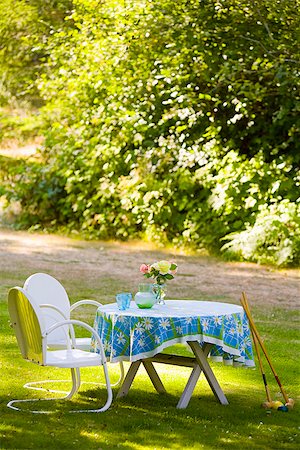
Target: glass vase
[160,292]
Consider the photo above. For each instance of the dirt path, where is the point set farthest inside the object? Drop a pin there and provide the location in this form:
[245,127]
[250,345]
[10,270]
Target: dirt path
[93,263]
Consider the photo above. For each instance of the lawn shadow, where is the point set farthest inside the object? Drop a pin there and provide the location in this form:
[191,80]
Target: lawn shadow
[148,420]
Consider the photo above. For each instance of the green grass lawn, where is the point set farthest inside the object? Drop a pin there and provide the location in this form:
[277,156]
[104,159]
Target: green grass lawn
[147,420]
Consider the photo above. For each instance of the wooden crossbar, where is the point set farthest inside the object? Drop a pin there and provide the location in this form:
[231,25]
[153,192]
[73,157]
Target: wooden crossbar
[175,360]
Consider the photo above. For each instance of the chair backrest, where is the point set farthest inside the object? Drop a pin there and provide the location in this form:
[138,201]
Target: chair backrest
[46,290]
[28,324]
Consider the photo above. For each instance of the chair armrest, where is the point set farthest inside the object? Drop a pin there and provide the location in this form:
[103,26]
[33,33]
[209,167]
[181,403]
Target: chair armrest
[85,302]
[80,324]
[55,308]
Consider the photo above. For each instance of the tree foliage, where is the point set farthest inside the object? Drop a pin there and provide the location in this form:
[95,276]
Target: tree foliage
[25,27]
[177,121]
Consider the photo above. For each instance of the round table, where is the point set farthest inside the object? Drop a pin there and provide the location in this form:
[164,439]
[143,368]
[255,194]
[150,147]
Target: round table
[139,335]
[136,333]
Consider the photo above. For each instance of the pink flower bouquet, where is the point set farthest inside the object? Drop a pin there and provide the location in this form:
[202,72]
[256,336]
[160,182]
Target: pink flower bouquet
[161,271]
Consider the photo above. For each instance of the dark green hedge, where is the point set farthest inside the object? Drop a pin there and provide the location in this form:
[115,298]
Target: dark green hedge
[175,121]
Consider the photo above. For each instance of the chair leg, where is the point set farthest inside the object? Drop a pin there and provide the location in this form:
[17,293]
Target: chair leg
[37,385]
[75,386]
[109,396]
[121,377]
[75,373]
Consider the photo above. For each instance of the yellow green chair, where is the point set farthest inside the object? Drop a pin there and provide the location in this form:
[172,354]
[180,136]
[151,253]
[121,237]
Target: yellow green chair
[33,337]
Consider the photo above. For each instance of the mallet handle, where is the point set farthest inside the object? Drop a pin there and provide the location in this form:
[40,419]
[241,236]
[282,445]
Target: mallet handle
[245,306]
[253,327]
[261,367]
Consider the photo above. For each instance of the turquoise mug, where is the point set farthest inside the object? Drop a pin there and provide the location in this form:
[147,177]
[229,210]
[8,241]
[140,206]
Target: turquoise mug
[123,300]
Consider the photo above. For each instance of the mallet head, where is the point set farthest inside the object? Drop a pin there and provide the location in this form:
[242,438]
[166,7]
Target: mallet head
[276,404]
[290,403]
[267,405]
[283,408]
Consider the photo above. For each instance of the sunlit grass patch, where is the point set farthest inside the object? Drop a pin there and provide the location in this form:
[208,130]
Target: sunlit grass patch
[145,419]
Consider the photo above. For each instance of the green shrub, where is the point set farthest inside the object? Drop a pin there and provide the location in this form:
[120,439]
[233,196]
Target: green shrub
[273,238]
[176,121]
[25,27]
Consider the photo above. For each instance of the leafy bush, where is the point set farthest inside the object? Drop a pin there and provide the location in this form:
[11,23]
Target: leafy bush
[273,238]
[176,121]
[25,27]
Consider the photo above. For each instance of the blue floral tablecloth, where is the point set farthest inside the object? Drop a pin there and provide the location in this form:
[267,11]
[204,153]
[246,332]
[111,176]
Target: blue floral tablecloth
[141,333]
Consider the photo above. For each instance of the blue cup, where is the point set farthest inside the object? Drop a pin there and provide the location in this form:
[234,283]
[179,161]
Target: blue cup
[123,300]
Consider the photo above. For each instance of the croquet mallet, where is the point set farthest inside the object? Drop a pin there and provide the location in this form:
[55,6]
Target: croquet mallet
[289,402]
[269,403]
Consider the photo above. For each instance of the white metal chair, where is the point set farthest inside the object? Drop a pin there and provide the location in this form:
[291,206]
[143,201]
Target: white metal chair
[52,297]
[33,334]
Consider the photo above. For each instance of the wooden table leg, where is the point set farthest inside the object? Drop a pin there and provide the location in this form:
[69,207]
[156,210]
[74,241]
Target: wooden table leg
[156,381]
[129,379]
[192,381]
[199,365]
[205,367]
[189,388]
